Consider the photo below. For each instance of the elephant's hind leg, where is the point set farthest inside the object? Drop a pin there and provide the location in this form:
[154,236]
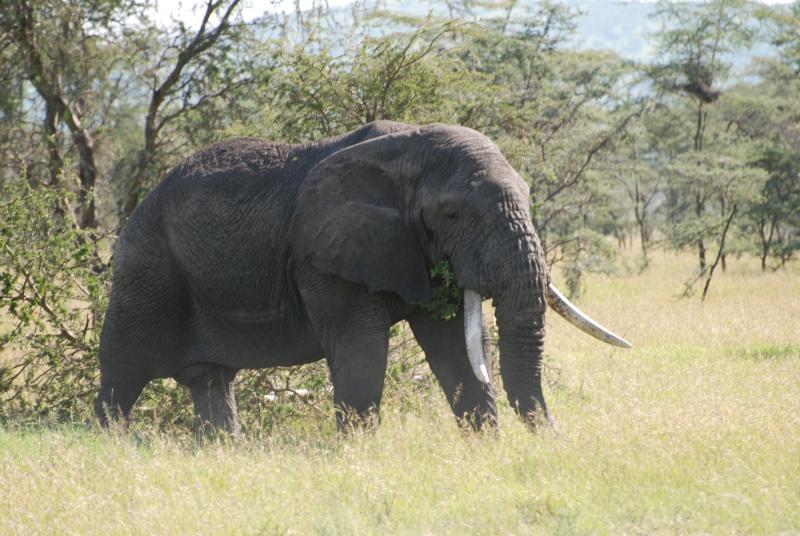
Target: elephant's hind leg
[115,401]
[214,398]
[144,333]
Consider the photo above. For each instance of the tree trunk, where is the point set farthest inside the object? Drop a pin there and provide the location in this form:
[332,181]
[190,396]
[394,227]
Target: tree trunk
[766,241]
[87,172]
[700,127]
[55,163]
[701,253]
[639,213]
[700,206]
[723,260]
[699,201]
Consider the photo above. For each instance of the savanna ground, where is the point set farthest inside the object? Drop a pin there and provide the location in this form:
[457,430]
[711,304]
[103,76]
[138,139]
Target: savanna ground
[696,430]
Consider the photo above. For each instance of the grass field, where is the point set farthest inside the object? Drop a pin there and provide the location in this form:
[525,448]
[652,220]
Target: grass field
[696,430]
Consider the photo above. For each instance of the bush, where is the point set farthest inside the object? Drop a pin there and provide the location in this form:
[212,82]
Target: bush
[53,287]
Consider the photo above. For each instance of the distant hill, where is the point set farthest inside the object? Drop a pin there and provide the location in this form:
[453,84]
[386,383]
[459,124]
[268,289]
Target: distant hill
[618,25]
[625,26]
[621,26]
[614,25]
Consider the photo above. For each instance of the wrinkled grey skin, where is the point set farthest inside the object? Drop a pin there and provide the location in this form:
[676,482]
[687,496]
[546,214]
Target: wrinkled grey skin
[255,254]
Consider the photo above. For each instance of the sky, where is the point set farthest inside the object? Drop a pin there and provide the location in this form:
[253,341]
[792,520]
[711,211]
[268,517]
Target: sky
[190,11]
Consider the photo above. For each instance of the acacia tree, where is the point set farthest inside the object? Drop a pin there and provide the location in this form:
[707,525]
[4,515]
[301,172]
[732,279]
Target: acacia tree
[64,49]
[767,114]
[635,167]
[555,113]
[776,216]
[783,31]
[89,66]
[188,73]
[15,147]
[83,74]
[400,76]
[694,45]
[727,176]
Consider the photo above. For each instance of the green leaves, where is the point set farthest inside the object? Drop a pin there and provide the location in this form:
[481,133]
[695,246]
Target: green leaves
[447,297]
[53,288]
[695,43]
[399,76]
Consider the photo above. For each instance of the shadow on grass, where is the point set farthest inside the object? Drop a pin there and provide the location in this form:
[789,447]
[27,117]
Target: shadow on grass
[767,352]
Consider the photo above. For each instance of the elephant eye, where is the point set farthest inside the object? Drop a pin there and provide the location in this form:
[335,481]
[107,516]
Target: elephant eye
[450,210]
[450,214]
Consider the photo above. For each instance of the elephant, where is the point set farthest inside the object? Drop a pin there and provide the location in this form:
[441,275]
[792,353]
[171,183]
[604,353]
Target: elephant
[252,254]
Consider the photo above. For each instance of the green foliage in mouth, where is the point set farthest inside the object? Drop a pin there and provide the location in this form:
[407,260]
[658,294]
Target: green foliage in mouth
[447,297]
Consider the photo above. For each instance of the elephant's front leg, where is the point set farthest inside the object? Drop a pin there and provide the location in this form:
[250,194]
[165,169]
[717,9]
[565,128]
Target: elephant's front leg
[353,327]
[472,401]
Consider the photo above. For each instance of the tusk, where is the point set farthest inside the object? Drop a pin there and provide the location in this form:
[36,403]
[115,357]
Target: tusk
[473,334]
[576,317]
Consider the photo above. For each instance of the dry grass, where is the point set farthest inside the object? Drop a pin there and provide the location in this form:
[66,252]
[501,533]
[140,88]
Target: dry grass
[693,431]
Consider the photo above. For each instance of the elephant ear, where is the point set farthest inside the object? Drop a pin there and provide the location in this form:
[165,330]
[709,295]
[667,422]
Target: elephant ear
[350,219]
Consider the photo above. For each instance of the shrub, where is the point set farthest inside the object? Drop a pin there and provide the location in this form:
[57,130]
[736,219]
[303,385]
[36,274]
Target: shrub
[53,286]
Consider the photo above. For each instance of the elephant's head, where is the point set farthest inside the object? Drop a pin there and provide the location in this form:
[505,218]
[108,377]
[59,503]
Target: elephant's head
[383,211]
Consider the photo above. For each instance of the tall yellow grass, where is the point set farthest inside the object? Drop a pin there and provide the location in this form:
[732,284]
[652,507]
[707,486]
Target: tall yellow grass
[696,430]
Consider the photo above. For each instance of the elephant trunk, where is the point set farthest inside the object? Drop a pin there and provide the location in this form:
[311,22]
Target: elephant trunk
[517,278]
[520,322]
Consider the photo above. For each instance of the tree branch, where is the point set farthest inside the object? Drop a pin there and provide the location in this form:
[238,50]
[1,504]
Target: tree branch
[719,252]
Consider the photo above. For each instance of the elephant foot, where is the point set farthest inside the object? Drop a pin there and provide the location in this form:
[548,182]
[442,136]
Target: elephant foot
[352,421]
[214,400]
[115,401]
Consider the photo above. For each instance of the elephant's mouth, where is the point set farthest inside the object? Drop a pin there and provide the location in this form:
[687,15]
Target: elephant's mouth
[555,299]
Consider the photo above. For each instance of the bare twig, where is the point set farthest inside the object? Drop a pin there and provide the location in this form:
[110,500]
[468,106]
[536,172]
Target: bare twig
[719,252]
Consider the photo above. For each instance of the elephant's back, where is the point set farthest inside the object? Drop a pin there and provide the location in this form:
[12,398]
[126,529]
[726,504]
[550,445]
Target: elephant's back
[235,185]
[230,158]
